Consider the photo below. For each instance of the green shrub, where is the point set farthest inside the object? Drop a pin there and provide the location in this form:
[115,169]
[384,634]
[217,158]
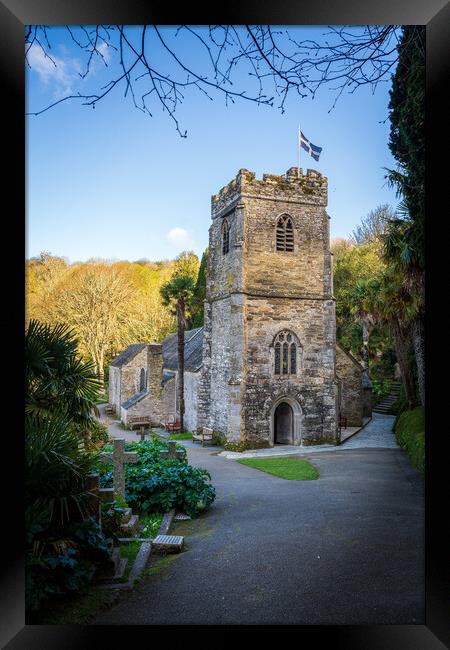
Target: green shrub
[112,515]
[400,405]
[219,439]
[380,389]
[59,566]
[95,436]
[170,484]
[157,485]
[410,434]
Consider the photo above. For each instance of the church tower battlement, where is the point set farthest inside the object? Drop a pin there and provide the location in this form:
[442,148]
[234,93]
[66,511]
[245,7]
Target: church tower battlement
[269,333]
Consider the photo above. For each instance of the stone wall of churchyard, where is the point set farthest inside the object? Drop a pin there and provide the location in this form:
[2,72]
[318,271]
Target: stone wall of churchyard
[114,388]
[253,292]
[312,323]
[350,374]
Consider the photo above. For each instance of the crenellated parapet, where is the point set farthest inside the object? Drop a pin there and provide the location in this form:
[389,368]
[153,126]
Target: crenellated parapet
[294,185]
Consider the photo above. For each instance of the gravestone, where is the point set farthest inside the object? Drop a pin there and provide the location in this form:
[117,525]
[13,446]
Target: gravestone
[172,451]
[142,433]
[119,458]
[168,543]
[93,502]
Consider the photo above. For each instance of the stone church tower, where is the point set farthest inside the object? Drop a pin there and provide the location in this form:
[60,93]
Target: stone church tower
[269,342]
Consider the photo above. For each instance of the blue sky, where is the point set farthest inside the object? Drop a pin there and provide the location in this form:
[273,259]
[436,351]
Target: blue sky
[114,183]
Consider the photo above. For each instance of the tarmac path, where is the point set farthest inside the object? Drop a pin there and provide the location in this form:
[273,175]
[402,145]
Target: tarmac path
[346,549]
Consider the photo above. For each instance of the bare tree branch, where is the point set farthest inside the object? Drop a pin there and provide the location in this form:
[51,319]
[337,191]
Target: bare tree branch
[147,65]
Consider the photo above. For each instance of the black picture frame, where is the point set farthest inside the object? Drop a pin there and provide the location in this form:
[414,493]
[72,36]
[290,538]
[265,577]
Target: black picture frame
[14,15]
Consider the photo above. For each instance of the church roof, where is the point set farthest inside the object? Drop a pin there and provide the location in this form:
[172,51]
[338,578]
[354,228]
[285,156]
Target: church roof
[350,356]
[126,356]
[193,348]
[133,400]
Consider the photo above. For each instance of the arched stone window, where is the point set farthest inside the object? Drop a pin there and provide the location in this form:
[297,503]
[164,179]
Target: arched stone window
[142,381]
[225,237]
[285,234]
[287,349]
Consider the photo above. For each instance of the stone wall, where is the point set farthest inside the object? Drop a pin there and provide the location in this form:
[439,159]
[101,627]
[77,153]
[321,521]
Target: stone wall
[367,402]
[190,400]
[168,399]
[252,293]
[313,385]
[349,371]
[130,375]
[149,404]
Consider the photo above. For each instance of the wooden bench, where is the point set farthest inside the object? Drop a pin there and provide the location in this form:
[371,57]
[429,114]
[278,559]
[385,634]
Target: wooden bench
[138,420]
[205,435]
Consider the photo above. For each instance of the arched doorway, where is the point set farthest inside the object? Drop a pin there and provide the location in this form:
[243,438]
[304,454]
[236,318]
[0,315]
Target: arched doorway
[283,424]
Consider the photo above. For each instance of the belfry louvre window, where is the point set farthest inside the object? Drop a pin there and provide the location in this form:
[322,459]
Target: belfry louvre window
[285,234]
[225,237]
[286,348]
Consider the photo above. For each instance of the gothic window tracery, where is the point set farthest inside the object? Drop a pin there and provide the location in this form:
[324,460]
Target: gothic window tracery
[286,348]
[225,237]
[285,234]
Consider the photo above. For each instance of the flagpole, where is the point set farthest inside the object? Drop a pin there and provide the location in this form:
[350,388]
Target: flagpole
[298,150]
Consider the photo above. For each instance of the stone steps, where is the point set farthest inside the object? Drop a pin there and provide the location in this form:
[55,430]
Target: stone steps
[130,528]
[127,514]
[114,569]
[386,404]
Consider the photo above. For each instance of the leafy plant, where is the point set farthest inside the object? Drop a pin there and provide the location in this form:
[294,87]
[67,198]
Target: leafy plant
[154,484]
[56,468]
[410,434]
[66,565]
[112,516]
[56,379]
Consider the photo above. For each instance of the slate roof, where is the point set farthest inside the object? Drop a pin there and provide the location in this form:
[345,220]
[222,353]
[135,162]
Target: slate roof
[193,348]
[167,376]
[351,357]
[133,400]
[127,354]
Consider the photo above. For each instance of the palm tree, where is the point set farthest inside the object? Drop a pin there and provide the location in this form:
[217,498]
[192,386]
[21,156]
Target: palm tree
[178,293]
[402,251]
[60,394]
[387,299]
[57,380]
[360,310]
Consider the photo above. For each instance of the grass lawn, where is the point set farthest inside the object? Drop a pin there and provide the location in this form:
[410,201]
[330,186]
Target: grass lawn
[129,550]
[181,436]
[292,469]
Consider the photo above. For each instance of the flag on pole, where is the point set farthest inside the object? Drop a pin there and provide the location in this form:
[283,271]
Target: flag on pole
[312,149]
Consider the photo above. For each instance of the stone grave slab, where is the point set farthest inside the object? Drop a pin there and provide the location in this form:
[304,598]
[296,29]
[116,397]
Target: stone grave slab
[168,543]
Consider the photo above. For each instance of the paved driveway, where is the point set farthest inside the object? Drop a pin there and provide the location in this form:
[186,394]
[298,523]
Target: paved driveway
[347,548]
